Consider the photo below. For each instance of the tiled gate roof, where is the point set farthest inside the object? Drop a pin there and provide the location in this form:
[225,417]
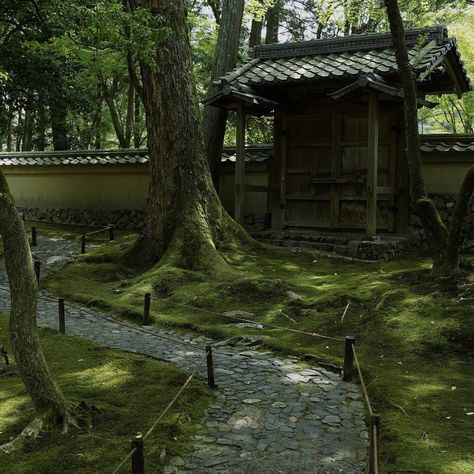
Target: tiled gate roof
[347,57]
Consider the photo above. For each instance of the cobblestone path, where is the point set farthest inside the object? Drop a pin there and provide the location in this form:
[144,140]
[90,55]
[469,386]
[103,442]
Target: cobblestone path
[270,414]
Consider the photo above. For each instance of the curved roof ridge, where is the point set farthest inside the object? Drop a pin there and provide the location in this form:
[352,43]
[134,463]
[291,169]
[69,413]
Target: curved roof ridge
[359,42]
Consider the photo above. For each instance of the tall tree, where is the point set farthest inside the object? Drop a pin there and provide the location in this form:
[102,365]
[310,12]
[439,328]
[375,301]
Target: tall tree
[444,243]
[185,223]
[49,403]
[273,22]
[225,59]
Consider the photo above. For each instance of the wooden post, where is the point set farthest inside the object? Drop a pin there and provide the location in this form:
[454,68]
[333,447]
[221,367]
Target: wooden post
[374,444]
[210,369]
[37,266]
[146,310]
[83,243]
[138,458]
[372,164]
[34,240]
[61,316]
[240,166]
[348,359]
[111,233]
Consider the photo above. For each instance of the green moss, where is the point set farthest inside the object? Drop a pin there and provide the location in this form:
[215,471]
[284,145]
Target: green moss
[414,334]
[130,392]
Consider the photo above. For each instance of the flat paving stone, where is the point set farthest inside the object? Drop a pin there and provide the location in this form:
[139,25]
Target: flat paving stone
[270,414]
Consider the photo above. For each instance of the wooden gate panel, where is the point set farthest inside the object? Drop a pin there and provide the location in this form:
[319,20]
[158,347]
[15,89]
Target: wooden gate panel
[326,171]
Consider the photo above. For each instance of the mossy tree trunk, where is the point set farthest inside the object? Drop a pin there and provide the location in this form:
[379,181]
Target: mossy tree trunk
[49,403]
[444,243]
[225,59]
[185,223]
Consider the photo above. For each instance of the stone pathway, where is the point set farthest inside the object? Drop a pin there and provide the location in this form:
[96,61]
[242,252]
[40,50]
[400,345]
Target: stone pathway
[270,414]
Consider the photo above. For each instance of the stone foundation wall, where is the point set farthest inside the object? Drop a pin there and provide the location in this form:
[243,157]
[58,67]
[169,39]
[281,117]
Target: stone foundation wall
[445,204]
[121,219]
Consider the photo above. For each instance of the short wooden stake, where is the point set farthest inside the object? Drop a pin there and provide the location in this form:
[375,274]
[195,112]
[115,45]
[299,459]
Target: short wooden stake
[111,233]
[83,243]
[61,316]
[146,310]
[374,444]
[34,241]
[210,369]
[138,458]
[37,266]
[348,359]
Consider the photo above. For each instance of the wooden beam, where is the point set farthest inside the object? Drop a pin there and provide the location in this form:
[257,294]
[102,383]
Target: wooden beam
[240,166]
[372,164]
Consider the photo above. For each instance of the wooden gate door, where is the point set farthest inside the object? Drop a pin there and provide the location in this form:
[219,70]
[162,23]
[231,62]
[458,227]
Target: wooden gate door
[324,165]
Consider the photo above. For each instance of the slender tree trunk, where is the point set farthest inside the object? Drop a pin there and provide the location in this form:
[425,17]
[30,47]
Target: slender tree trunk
[136,123]
[130,114]
[41,124]
[50,405]
[273,23]
[27,142]
[10,129]
[109,96]
[225,59]
[185,222]
[255,34]
[435,231]
[58,115]
[216,9]
[19,130]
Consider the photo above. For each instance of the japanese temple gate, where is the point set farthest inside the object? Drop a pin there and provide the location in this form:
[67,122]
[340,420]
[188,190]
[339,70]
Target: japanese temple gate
[338,160]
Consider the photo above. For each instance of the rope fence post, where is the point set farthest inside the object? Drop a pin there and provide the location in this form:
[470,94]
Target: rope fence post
[210,369]
[111,232]
[34,240]
[138,458]
[37,266]
[374,444]
[146,310]
[83,243]
[61,316]
[348,359]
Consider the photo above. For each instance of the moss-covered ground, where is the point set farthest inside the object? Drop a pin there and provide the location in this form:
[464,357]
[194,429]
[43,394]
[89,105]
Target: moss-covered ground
[129,391]
[415,335]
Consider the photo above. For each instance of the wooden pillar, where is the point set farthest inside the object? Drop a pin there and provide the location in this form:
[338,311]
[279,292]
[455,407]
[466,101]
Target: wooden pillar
[372,164]
[240,166]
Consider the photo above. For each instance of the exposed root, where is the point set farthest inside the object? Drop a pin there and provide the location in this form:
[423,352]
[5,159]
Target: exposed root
[32,431]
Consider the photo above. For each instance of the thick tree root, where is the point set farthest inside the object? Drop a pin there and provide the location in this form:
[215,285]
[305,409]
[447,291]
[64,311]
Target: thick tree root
[32,431]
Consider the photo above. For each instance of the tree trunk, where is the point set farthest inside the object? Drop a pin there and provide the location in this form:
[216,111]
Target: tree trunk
[255,34]
[137,136]
[273,23]
[19,130]
[185,222]
[130,112]
[50,405]
[10,129]
[41,124]
[435,231]
[58,112]
[109,96]
[27,142]
[225,59]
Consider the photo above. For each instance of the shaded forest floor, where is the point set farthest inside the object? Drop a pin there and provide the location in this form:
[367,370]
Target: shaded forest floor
[130,391]
[415,335]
